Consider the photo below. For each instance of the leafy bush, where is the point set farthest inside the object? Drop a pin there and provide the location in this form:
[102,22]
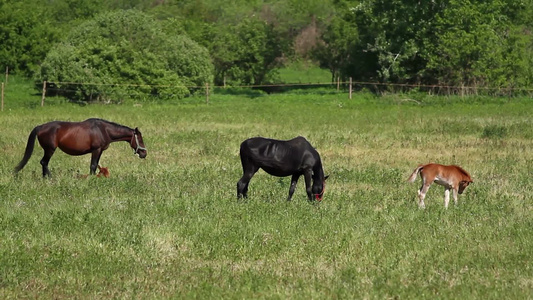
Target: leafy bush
[124,54]
[25,34]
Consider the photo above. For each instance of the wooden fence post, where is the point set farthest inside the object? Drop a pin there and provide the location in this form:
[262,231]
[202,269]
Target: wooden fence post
[44,93]
[7,73]
[2,96]
[350,87]
[338,83]
[207,92]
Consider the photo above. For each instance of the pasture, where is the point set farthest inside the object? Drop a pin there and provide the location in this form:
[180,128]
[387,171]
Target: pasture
[170,226]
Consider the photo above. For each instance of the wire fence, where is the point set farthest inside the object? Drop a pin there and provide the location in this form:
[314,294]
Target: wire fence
[64,88]
[434,87]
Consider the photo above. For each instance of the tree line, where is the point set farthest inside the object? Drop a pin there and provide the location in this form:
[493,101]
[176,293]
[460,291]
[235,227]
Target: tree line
[485,44]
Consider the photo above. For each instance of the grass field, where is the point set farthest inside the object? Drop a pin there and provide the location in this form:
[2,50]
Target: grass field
[170,226]
[304,72]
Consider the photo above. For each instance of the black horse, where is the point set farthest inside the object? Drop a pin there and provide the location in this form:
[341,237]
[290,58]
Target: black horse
[294,158]
[79,138]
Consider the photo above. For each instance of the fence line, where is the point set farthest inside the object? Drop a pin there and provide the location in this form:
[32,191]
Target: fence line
[2,97]
[349,84]
[411,85]
[460,90]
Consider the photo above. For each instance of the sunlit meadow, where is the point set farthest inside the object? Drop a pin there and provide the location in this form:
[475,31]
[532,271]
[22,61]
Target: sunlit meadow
[170,226]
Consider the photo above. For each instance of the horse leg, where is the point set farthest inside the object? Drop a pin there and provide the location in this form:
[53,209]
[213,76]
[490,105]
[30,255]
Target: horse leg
[95,158]
[422,195]
[446,197]
[455,196]
[294,181]
[308,187]
[48,152]
[242,186]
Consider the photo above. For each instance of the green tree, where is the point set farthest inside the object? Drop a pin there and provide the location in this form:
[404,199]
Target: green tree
[29,28]
[339,40]
[124,54]
[248,40]
[247,53]
[480,44]
[453,42]
[26,35]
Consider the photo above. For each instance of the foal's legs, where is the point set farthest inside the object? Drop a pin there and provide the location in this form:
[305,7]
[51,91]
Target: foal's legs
[446,197]
[455,195]
[294,181]
[422,194]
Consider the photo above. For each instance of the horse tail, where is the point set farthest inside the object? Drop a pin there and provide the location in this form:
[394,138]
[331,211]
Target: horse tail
[415,172]
[29,149]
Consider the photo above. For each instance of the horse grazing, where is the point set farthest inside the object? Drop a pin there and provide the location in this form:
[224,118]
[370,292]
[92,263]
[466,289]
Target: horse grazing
[294,158]
[79,138]
[451,177]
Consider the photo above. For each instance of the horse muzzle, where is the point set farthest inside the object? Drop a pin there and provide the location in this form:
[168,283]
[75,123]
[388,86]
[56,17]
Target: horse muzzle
[141,153]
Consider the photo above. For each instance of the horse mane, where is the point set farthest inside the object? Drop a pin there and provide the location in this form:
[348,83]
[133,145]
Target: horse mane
[318,170]
[463,171]
[109,122]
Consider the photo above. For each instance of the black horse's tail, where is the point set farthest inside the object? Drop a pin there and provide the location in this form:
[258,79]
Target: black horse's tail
[29,149]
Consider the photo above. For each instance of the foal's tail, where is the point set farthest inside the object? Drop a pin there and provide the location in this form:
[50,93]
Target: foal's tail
[29,149]
[415,172]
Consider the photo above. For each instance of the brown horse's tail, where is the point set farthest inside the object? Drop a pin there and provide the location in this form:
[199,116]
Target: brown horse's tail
[415,172]
[29,149]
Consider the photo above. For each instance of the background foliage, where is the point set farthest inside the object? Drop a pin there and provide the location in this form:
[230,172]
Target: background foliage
[482,44]
[125,52]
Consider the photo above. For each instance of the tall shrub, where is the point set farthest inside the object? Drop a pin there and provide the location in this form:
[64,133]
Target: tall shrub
[125,54]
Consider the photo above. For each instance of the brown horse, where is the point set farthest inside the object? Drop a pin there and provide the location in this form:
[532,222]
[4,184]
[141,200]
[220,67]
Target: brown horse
[451,177]
[79,138]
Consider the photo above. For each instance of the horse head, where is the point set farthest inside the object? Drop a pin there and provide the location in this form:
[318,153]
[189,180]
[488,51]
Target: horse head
[137,143]
[319,187]
[463,184]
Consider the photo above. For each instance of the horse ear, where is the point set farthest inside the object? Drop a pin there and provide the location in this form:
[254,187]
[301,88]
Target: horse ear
[326,177]
[136,129]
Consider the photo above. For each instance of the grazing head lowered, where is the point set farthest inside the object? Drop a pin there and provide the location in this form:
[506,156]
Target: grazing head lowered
[318,189]
[451,177]
[295,157]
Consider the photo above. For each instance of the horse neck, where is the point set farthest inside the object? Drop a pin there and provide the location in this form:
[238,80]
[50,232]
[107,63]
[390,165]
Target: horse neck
[464,174]
[318,172]
[119,133]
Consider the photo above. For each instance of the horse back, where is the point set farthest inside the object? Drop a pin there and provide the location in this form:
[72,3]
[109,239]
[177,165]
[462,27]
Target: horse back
[451,173]
[265,147]
[74,138]
[290,155]
[461,173]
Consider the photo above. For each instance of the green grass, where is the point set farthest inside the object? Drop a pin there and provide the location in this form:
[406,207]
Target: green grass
[19,92]
[170,226]
[304,72]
